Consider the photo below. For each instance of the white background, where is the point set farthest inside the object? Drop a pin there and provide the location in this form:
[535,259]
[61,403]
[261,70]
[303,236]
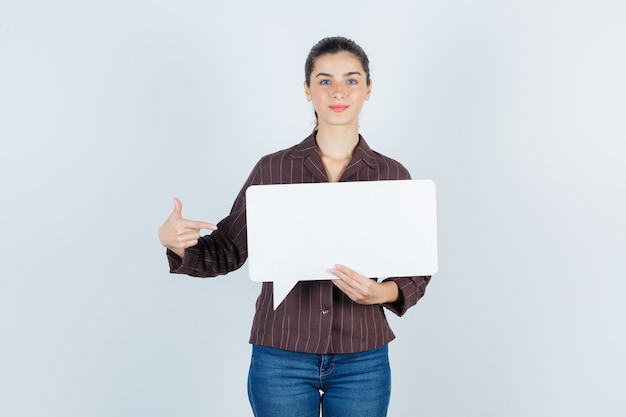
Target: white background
[110,109]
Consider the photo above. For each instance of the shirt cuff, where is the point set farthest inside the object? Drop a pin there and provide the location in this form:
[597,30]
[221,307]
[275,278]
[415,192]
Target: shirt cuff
[397,307]
[411,289]
[174,260]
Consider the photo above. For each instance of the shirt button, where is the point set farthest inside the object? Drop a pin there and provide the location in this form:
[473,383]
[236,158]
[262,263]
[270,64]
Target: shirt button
[325,311]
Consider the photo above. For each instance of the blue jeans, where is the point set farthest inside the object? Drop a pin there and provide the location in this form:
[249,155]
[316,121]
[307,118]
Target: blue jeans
[282,383]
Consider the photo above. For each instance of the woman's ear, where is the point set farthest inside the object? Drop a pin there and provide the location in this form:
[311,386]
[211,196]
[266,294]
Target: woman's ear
[369,91]
[307,92]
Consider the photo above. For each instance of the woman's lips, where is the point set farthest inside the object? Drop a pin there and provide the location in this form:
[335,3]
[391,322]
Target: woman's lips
[338,107]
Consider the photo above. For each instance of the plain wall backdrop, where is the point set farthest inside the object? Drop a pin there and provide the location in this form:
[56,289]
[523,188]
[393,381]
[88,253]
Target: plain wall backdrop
[110,109]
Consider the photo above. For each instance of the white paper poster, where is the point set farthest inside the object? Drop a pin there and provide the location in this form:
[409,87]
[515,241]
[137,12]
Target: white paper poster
[297,232]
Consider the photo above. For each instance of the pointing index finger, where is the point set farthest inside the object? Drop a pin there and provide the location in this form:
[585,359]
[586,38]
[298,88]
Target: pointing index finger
[194,224]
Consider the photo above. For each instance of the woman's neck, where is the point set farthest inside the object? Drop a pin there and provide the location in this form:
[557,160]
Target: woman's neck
[336,145]
[337,142]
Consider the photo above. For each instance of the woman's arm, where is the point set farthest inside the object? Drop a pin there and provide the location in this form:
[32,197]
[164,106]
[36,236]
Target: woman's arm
[223,251]
[397,294]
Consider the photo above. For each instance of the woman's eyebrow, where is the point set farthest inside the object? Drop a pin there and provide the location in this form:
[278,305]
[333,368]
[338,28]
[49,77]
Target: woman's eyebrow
[347,74]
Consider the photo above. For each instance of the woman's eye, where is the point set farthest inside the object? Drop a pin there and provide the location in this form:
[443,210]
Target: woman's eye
[352,82]
[325,82]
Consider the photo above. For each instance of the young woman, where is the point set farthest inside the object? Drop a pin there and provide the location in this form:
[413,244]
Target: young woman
[325,346]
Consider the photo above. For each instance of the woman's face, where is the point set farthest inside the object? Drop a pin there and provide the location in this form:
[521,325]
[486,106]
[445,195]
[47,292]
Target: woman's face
[338,88]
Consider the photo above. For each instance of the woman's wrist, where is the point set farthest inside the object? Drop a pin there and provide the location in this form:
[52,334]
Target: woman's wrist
[390,292]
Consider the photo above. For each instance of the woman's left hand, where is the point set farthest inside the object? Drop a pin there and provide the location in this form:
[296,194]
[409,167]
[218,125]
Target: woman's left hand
[364,290]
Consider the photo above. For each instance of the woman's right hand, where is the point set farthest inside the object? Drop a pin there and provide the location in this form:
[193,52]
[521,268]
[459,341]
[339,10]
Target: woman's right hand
[178,234]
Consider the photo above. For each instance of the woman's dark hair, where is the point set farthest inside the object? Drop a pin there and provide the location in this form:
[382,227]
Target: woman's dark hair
[333,45]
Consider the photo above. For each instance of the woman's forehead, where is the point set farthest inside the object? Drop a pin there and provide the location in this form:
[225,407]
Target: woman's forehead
[338,63]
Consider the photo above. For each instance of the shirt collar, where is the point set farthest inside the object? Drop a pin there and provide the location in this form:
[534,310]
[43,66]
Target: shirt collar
[308,148]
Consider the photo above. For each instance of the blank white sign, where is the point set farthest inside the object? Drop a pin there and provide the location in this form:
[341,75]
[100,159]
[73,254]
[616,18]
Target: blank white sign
[297,232]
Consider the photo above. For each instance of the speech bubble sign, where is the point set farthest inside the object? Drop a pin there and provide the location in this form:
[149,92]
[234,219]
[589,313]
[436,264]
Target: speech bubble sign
[297,232]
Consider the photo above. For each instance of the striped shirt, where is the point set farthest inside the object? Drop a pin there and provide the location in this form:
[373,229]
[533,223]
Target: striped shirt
[316,317]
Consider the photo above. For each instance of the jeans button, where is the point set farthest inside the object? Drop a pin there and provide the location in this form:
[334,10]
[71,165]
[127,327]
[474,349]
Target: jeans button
[325,311]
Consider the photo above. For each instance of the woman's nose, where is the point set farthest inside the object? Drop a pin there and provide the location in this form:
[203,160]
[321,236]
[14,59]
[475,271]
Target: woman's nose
[339,91]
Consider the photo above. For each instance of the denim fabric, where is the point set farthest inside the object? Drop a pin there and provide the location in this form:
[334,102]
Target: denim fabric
[282,383]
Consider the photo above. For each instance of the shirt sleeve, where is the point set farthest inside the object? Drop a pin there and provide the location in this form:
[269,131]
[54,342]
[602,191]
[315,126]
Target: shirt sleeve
[411,289]
[225,249]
